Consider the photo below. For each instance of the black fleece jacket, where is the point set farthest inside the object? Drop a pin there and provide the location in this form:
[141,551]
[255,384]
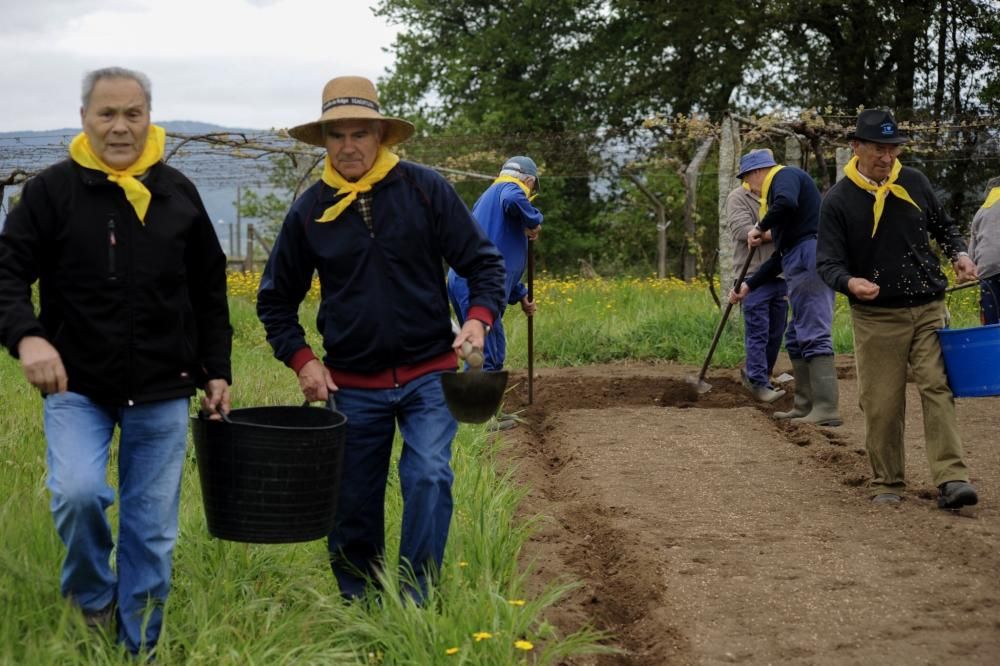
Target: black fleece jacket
[899,257]
[138,312]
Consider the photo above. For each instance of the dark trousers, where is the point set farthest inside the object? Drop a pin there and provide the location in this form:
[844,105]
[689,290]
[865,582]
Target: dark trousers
[810,333]
[989,299]
[765,311]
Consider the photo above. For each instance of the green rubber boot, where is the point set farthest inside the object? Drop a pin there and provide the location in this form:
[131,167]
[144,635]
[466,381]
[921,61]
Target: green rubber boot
[803,391]
[825,393]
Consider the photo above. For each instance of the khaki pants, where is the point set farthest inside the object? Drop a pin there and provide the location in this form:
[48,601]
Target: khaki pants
[886,340]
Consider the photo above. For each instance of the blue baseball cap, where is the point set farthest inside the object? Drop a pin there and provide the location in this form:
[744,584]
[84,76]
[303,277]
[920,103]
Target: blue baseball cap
[521,164]
[756,159]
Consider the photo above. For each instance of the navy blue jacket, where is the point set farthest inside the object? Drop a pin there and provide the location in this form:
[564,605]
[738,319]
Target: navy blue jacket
[383,298]
[792,216]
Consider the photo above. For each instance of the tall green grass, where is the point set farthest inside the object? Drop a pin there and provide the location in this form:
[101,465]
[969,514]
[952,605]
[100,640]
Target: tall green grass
[236,603]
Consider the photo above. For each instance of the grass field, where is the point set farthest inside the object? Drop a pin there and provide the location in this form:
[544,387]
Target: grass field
[278,604]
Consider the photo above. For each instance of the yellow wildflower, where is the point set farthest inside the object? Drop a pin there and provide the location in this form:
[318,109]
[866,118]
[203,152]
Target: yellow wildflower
[516,602]
[524,645]
[482,635]
[450,651]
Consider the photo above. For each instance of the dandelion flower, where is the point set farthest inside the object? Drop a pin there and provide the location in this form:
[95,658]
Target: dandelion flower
[450,651]
[524,645]
[482,635]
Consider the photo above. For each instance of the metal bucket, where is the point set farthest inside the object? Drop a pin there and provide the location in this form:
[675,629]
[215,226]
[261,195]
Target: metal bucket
[270,474]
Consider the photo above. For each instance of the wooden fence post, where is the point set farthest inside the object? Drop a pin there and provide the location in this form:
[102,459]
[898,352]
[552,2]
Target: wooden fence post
[691,206]
[661,226]
[248,262]
[793,152]
[844,156]
[729,164]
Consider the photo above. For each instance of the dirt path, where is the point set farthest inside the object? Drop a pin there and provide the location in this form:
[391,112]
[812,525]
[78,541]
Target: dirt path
[705,532]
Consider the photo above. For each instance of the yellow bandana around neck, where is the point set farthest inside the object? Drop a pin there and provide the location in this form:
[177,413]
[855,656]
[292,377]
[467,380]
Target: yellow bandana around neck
[519,183]
[384,161]
[83,154]
[764,190]
[881,191]
[994,196]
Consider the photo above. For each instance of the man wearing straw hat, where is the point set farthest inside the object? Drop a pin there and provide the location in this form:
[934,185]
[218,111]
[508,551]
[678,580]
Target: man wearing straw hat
[378,231]
[874,246]
[133,318]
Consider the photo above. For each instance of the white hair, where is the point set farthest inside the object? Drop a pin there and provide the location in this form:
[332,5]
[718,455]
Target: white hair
[91,78]
[514,173]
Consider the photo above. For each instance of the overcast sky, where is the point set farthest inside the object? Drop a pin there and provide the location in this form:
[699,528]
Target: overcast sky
[238,63]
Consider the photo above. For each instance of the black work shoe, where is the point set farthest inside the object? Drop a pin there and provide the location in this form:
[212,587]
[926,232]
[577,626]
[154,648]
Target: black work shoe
[887,499]
[956,494]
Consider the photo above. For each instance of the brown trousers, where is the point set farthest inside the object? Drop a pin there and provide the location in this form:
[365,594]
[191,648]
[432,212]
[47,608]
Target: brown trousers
[886,341]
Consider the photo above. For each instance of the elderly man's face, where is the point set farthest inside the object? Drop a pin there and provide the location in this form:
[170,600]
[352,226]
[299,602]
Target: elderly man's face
[116,121]
[875,160]
[755,179]
[353,146]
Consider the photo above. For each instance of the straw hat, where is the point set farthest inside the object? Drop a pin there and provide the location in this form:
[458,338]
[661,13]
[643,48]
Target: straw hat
[351,98]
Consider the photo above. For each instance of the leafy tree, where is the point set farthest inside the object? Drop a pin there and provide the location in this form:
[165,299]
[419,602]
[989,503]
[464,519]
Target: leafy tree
[287,175]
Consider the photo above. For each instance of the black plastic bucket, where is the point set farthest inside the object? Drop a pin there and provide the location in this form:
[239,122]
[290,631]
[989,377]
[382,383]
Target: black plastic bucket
[270,474]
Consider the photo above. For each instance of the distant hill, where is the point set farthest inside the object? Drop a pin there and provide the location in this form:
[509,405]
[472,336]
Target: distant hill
[216,173]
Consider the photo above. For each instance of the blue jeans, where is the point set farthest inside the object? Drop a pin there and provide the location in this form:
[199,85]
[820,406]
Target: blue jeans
[810,333]
[152,441]
[357,543]
[765,311]
[495,345]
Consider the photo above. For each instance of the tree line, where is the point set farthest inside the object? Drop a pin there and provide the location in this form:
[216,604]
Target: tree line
[602,91]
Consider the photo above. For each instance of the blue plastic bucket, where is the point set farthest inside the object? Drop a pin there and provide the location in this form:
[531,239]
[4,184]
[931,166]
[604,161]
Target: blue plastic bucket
[972,360]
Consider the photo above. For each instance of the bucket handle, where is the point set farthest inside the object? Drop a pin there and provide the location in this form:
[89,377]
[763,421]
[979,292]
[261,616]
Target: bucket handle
[331,404]
[966,285]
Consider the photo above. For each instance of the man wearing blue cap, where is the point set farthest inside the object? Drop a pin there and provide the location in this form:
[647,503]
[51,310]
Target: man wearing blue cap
[510,220]
[765,309]
[789,209]
[874,246]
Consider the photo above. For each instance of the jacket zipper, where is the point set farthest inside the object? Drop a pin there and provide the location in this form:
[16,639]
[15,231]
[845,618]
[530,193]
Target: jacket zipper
[112,243]
[130,363]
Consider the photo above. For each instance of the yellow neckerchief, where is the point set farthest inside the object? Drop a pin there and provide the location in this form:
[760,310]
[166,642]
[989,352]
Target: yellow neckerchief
[384,162]
[992,198]
[763,191]
[83,154]
[881,191]
[511,179]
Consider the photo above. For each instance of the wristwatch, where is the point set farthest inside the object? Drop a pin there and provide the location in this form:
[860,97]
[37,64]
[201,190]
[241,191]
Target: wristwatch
[959,255]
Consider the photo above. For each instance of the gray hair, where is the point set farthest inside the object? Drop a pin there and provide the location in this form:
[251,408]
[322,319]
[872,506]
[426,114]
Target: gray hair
[91,78]
[990,184]
[514,173]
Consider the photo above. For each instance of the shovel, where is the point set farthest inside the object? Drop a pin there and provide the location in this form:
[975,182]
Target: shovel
[531,322]
[473,396]
[699,383]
